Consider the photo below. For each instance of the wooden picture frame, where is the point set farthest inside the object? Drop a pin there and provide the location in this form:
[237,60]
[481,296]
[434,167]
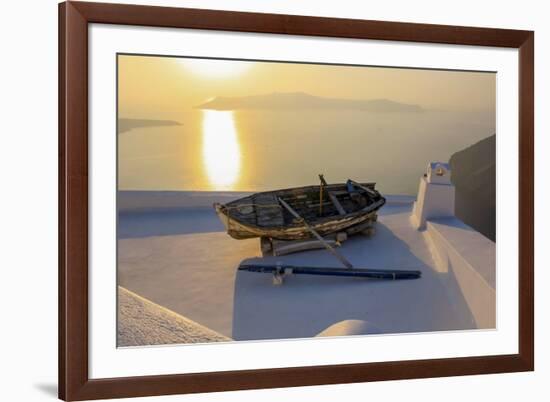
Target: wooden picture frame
[74,381]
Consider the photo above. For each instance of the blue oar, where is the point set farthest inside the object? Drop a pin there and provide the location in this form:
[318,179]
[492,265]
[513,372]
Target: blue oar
[391,274]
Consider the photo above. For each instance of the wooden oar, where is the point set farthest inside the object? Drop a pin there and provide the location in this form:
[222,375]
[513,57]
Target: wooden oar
[391,274]
[321,187]
[368,190]
[335,253]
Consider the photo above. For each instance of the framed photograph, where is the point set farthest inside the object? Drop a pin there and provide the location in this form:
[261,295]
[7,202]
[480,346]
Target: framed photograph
[260,200]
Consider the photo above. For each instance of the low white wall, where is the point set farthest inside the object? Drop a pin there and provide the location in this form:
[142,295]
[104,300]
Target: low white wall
[148,201]
[467,259]
[154,201]
[142,323]
[434,200]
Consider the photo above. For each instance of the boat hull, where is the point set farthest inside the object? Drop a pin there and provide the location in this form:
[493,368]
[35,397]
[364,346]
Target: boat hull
[350,223]
[240,231]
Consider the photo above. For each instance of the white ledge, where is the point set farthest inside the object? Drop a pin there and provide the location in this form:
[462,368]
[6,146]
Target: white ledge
[468,258]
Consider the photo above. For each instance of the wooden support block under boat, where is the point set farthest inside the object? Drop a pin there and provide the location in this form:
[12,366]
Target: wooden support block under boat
[270,247]
[266,246]
[281,247]
[341,237]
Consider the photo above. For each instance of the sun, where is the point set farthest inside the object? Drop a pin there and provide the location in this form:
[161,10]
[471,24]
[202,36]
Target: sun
[216,68]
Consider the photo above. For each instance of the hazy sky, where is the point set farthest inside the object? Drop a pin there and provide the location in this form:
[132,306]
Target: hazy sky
[161,87]
[166,143]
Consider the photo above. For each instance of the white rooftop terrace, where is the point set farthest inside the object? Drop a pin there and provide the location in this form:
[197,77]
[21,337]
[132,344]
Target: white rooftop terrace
[182,259]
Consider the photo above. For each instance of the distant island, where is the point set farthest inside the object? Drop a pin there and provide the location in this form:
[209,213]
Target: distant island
[301,100]
[125,125]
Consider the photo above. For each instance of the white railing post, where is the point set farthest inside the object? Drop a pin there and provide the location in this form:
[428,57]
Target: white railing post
[436,195]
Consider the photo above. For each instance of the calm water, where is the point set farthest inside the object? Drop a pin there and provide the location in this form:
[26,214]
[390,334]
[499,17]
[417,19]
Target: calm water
[259,150]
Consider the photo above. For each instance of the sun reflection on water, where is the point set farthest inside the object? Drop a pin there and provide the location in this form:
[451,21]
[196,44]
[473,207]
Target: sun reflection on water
[221,149]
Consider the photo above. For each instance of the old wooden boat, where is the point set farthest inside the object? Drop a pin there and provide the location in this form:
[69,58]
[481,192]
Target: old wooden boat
[348,207]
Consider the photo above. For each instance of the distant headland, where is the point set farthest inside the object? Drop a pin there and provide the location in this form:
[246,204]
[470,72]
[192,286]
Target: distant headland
[302,100]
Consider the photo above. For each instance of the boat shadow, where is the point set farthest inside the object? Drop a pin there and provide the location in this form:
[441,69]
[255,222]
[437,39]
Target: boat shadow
[306,305]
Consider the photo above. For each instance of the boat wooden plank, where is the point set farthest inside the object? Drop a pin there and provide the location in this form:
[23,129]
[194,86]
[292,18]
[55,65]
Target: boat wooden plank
[294,246]
[336,203]
[268,210]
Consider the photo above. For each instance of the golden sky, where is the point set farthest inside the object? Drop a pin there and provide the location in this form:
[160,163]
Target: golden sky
[162,87]
[165,143]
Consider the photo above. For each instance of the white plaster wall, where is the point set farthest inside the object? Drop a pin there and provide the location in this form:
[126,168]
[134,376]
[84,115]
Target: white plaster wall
[467,260]
[433,201]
